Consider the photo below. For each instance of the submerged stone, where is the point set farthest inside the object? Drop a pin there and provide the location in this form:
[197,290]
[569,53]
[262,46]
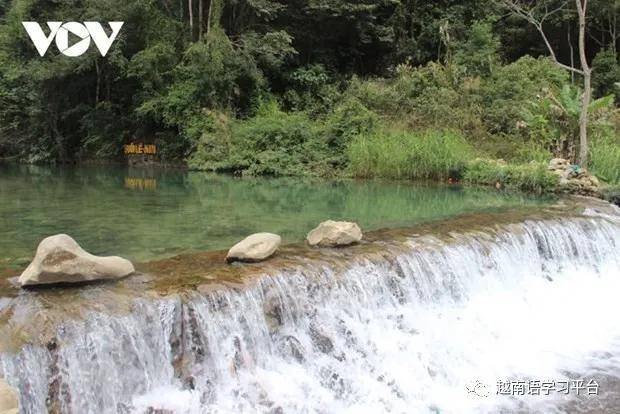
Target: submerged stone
[334,233]
[254,248]
[9,398]
[59,259]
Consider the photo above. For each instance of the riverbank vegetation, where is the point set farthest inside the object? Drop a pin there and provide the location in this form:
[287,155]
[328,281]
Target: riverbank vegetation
[406,89]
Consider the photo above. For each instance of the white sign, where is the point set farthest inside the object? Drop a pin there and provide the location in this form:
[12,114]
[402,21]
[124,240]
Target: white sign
[84,31]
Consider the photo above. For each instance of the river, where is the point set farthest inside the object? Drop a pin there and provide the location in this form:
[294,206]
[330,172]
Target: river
[458,300]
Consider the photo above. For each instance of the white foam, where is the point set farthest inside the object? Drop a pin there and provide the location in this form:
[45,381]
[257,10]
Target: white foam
[515,315]
[531,301]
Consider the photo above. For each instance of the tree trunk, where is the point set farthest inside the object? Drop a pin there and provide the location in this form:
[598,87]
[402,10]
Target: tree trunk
[191,18]
[209,16]
[572,54]
[582,6]
[98,86]
[200,13]
[583,119]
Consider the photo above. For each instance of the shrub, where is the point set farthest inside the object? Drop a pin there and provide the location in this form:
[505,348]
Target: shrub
[512,87]
[479,54]
[532,152]
[277,144]
[426,155]
[272,143]
[311,89]
[379,95]
[348,120]
[606,73]
[525,177]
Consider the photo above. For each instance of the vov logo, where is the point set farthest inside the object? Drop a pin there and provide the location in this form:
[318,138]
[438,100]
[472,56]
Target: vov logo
[83,31]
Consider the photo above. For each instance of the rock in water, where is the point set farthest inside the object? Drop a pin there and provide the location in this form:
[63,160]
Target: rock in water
[335,233]
[59,259]
[9,399]
[254,248]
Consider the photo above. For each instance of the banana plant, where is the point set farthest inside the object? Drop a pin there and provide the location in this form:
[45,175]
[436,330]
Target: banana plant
[554,116]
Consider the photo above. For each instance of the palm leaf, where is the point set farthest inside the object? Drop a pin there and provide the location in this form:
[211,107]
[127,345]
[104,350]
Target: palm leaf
[601,103]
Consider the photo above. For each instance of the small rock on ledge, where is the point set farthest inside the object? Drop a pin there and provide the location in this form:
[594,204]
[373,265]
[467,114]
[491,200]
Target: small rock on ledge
[9,399]
[334,234]
[59,259]
[254,248]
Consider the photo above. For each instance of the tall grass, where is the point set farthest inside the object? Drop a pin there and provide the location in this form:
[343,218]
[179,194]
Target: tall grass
[405,155]
[605,160]
[531,177]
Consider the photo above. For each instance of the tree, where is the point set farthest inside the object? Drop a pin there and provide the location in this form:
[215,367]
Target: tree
[536,13]
[605,23]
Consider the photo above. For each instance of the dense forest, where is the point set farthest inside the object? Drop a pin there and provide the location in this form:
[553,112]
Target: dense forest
[393,88]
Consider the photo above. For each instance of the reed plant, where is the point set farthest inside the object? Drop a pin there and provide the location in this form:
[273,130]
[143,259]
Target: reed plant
[531,177]
[605,160]
[429,154]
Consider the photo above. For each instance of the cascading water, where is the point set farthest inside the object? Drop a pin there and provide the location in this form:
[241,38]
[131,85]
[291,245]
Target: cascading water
[430,327]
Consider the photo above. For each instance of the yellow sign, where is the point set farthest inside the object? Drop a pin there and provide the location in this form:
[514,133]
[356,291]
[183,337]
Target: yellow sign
[141,184]
[132,149]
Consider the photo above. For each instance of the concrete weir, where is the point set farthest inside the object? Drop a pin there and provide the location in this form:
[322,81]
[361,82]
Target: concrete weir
[404,321]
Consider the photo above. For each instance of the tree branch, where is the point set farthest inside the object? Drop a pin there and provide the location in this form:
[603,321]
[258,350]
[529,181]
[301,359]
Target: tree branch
[528,14]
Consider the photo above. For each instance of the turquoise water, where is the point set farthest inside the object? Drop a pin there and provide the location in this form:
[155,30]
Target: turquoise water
[146,214]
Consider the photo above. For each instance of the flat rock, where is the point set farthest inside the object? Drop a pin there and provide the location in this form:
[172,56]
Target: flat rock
[254,248]
[9,398]
[334,234]
[59,259]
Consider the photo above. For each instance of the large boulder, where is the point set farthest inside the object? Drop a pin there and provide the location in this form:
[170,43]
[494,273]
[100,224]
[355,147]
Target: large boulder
[254,248]
[59,259]
[334,234]
[9,398]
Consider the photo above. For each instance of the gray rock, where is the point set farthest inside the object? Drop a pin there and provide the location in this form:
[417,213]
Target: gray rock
[9,398]
[335,233]
[254,248]
[59,259]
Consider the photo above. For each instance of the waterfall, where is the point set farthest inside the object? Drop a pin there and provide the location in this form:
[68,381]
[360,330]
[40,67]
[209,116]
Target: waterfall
[413,329]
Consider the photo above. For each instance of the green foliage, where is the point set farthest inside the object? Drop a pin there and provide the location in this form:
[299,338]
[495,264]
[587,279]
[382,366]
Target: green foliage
[552,120]
[605,159]
[56,107]
[343,72]
[278,143]
[479,54]
[100,128]
[212,74]
[436,95]
[512,88]
[347,121]
[310,89]
[271,50]
[532,152]
[426,155]
[532,177]
[426,97]
[606,72]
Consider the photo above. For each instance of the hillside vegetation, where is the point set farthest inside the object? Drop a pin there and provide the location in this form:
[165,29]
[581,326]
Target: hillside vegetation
[403,89]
